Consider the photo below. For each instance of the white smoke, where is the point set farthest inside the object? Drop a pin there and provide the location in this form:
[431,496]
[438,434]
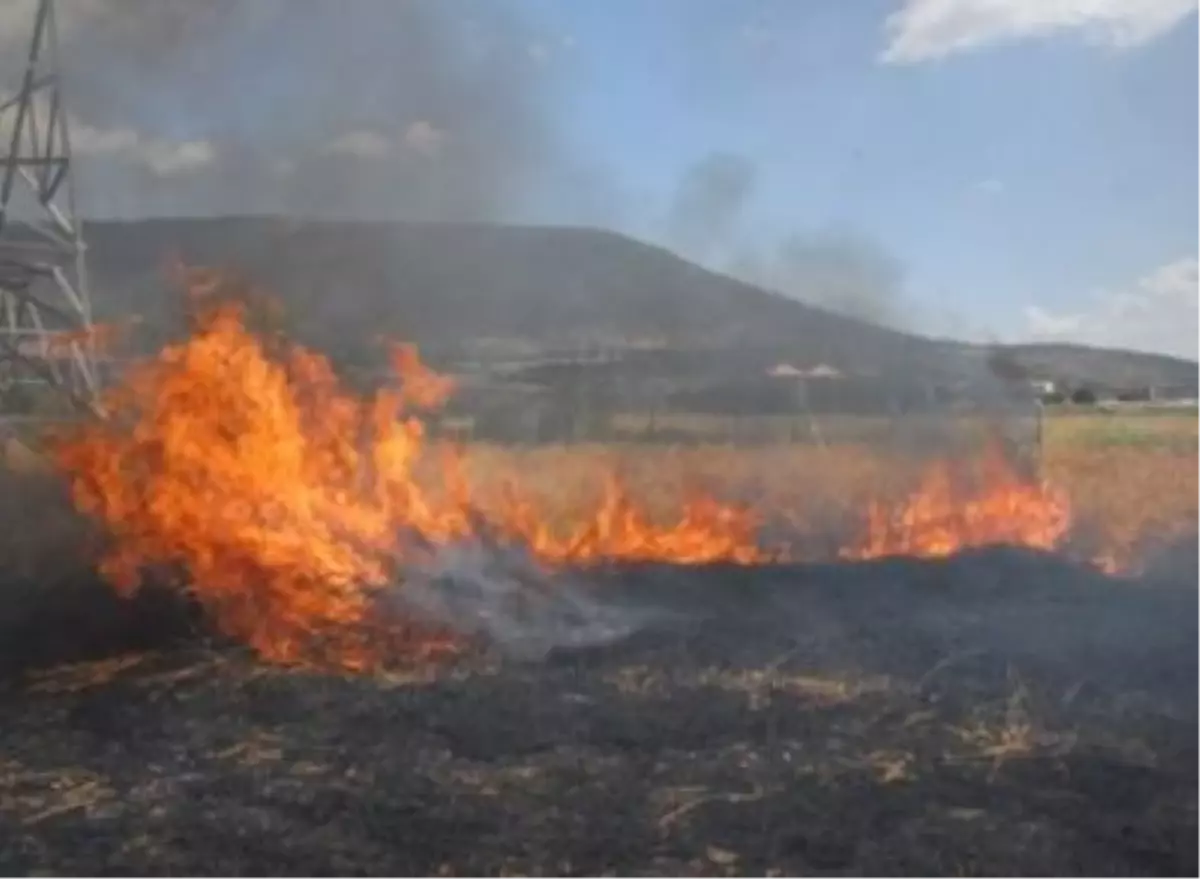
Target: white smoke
[517,605]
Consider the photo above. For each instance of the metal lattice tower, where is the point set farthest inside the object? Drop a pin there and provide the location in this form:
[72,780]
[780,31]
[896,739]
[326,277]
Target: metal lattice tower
[47,344]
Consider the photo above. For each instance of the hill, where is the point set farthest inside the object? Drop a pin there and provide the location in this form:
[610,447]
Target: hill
[494,291]
[1107,367]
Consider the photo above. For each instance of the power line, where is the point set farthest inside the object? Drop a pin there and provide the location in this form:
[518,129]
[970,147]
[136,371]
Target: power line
[47,338]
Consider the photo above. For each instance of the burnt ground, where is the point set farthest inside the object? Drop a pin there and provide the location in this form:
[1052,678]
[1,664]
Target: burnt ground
[1000,713]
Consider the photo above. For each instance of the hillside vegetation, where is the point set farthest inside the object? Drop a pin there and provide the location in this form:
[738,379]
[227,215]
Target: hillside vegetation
[522,290]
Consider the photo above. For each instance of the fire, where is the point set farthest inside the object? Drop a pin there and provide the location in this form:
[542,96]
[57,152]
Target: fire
[951,511]
[620,530]
[285,503]
[236,462]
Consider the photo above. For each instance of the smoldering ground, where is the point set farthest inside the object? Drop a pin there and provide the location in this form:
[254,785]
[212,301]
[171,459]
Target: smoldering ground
[516,605]
[886,717]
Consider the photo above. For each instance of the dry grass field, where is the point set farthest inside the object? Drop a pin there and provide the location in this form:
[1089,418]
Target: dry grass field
[1131,481]
[1130,478]
[995,713]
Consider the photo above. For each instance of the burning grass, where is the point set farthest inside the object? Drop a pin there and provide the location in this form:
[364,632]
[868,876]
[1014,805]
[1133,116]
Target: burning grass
[799,718]
[286,504]
[235,465]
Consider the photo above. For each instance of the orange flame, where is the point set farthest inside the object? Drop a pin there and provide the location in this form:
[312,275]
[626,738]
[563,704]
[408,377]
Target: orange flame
[287,503]
[619,530]
[950,511]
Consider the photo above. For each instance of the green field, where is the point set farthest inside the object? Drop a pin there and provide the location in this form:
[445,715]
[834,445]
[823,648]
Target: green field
[1152,428]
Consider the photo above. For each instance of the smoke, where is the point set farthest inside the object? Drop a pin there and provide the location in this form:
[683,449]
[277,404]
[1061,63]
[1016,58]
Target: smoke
[505,597]
[423,109]
[839,270]
[708,202]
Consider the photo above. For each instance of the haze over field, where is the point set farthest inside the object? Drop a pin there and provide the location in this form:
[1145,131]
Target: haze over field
[465,288]
[545,437]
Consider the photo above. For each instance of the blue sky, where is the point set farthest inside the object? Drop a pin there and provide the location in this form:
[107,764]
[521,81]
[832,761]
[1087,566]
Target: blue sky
[1028,167]
[1047,169]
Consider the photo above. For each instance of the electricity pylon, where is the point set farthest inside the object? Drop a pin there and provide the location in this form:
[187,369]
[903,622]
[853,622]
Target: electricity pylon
[47,343]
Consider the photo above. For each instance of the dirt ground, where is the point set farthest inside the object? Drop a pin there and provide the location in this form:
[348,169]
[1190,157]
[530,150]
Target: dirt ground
[998,713]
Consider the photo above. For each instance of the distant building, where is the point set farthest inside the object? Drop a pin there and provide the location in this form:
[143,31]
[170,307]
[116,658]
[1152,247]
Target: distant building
[787,370]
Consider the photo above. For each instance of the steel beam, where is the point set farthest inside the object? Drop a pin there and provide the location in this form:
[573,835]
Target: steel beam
[46,333]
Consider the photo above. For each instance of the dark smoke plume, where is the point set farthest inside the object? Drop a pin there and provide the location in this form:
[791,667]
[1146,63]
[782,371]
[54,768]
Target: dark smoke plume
[708,202]
[841,271]
[422,109]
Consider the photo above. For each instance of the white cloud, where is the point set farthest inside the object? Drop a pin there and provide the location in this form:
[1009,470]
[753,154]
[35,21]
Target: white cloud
[1045,324]
[424,137]
[168,158]
[1158,313]
[989,186]
[421,137]
[361,144]
[163,157]
[924,30]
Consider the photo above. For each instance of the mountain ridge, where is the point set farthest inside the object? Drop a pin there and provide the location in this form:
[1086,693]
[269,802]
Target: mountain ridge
[457,286]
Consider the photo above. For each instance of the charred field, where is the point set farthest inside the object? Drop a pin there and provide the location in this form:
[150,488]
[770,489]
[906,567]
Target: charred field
[940,678]
[996,712]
